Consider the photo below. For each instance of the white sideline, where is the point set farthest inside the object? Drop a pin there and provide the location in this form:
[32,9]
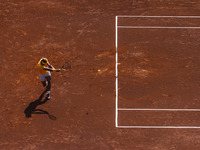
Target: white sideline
[155,27]
[145,109]
[160,127]
[158,16]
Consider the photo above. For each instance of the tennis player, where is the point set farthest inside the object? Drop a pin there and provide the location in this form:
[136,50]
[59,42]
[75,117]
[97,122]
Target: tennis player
[44,68]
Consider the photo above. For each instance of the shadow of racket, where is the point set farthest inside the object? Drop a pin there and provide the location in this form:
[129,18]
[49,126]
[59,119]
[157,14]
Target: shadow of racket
[40,111]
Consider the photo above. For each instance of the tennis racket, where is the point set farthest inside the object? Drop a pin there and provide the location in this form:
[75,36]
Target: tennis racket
[66,66]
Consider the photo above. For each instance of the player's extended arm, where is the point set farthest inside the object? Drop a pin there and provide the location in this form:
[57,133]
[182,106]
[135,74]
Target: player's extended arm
[52,69]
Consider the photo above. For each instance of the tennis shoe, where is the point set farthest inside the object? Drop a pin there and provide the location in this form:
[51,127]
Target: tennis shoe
[48,96]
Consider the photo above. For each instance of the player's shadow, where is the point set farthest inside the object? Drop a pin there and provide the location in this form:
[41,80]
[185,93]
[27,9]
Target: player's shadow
[31,109]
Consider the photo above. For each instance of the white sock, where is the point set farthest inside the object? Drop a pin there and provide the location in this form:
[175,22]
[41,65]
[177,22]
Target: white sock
[46,84]
[48,92]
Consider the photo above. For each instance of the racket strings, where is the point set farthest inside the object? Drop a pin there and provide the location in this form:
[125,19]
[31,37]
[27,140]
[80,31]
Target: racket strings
[67,66]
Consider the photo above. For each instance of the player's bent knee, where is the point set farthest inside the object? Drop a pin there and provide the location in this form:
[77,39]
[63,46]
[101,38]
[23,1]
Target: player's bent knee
[44,83]
[48,79]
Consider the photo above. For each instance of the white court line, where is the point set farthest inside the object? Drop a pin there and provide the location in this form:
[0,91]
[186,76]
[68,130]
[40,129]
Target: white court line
[147,27]
[116,73]
[160,127]
[140,109]
[121,16]
[155,27]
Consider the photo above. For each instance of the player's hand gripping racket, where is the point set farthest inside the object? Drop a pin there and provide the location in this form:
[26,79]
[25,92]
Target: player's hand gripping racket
[66,66]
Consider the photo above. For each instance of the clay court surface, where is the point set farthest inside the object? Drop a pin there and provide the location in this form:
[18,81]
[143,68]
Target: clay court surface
[159,69]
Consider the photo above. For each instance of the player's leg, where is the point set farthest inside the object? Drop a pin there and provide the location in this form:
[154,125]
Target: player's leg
[44,83]
[48,87]
[48,83]
[48,78]
[43,80]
